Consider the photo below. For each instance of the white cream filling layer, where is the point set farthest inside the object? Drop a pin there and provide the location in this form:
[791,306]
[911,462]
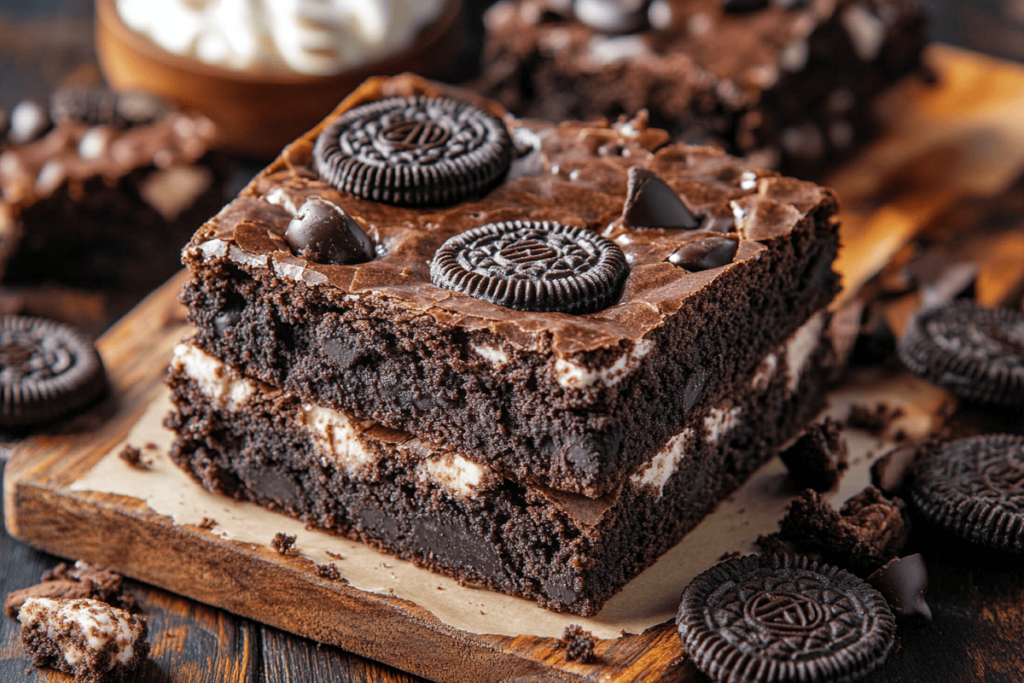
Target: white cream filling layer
[336,437]
[665,463]
[215,381]
[720,421]
[494,354]
[573,376]
[801,346]
[454,472]
[100,625]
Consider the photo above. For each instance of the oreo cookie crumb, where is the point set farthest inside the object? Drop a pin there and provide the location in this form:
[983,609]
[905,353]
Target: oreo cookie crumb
[81,580]
[133,456]
[874,420]
[284,544]
[819,457]
[867,531]
[578,644]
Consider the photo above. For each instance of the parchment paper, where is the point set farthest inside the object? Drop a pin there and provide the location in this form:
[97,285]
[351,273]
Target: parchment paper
[650,599]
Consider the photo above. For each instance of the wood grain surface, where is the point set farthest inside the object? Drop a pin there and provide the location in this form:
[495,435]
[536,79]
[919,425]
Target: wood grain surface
[905,186]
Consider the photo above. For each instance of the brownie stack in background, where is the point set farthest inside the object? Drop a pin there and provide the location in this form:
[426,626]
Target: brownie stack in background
[527,356]
[788,83]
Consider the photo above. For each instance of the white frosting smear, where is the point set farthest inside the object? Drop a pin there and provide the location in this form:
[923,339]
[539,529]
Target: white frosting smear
[315,37]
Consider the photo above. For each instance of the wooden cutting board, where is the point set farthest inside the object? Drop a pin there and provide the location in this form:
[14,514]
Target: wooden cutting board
[961,138]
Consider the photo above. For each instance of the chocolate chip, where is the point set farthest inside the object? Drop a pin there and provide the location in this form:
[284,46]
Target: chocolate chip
[903,582]
[29,121]
[705,253]
[532,266]
[612,16]
[322,232]
[743,6]
[651,203]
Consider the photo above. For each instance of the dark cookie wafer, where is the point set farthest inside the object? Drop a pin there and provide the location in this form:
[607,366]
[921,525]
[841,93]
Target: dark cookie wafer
[414,151]
[784,618]
[974,487]
[47,370]
[976,353]
[532,266]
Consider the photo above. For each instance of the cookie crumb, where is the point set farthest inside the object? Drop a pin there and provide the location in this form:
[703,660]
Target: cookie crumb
[133,456]
[328,571]
[208,523]
[730,555]
[284,544]
[578,644]
[334,556]
[818,459]
[82,580]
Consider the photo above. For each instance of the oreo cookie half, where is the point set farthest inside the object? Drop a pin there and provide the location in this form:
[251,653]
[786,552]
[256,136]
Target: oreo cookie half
[48,370]
[414,151]
[781,618]
[974,487]
[532,266]
[976,353]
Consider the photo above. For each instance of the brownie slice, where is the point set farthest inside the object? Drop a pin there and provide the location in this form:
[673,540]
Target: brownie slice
[570,402]
[789,83]
[427,503]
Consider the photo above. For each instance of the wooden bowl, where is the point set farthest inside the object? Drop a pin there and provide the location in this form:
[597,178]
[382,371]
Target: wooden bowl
[256,113]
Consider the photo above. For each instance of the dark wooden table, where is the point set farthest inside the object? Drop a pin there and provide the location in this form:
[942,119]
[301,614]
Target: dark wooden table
[977,598]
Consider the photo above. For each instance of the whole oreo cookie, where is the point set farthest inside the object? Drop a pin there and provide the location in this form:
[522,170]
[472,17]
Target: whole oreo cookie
[974,487]
[48,370]
[532,266]
[414,151]
[780,618]
[976,353]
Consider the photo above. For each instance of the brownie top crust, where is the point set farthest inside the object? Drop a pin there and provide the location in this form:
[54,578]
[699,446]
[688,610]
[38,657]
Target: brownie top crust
[575,174]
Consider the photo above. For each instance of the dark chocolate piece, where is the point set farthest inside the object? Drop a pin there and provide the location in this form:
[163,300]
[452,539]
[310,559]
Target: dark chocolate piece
[893,471]
[977,353]
[578,644]
[771,619]
[705,253]
[974,488]
[532,266]
[48,370]
[321,231]
[743,6]
[651,203]
[868,530]
[29,121]
[612,16]
[904,583]
[818,458]
[414,151]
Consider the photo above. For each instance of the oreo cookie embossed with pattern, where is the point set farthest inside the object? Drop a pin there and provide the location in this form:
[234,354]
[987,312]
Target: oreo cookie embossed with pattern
[974,487]
[414,151]
[47,370]
[532,266]
[775,619]
[976,353]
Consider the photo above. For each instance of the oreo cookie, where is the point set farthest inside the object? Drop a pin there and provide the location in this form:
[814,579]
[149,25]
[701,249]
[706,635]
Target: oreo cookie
[974,488]
[48,370]
[414,151]
[976,353]
[532,266]
[784,618]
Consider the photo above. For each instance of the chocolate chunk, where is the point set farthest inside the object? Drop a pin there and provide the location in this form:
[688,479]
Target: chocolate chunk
[705,253]
[780,618]
[974,488]
[818,458]
[48,370]
[904,583]
[532,266]
[415,151]
[977,353]
[321,231]
[29,121]
[868,530]
[651,203]
[893,471]
[578,644]
[743,6]
[612,16]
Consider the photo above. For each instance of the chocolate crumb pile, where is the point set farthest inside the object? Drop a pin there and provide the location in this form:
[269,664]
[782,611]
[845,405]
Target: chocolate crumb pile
[133,456]
[82,580]
[818,458]
[578,644]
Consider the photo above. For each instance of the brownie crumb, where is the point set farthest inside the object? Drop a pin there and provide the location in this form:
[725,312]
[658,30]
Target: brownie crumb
[334,556]
[83,580]
[578,644]
[150,446]
[772,544]
[284,544]
[872,420]
[208,523]
[868,531]
[818,458]
[133,456]
[328,571]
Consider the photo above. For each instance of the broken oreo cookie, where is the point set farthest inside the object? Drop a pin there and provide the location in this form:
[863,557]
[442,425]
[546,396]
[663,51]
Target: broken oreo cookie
[321,231]
[532,266]
[48,370]
[414,151]
[783,618]
[974,488]
[976,353]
